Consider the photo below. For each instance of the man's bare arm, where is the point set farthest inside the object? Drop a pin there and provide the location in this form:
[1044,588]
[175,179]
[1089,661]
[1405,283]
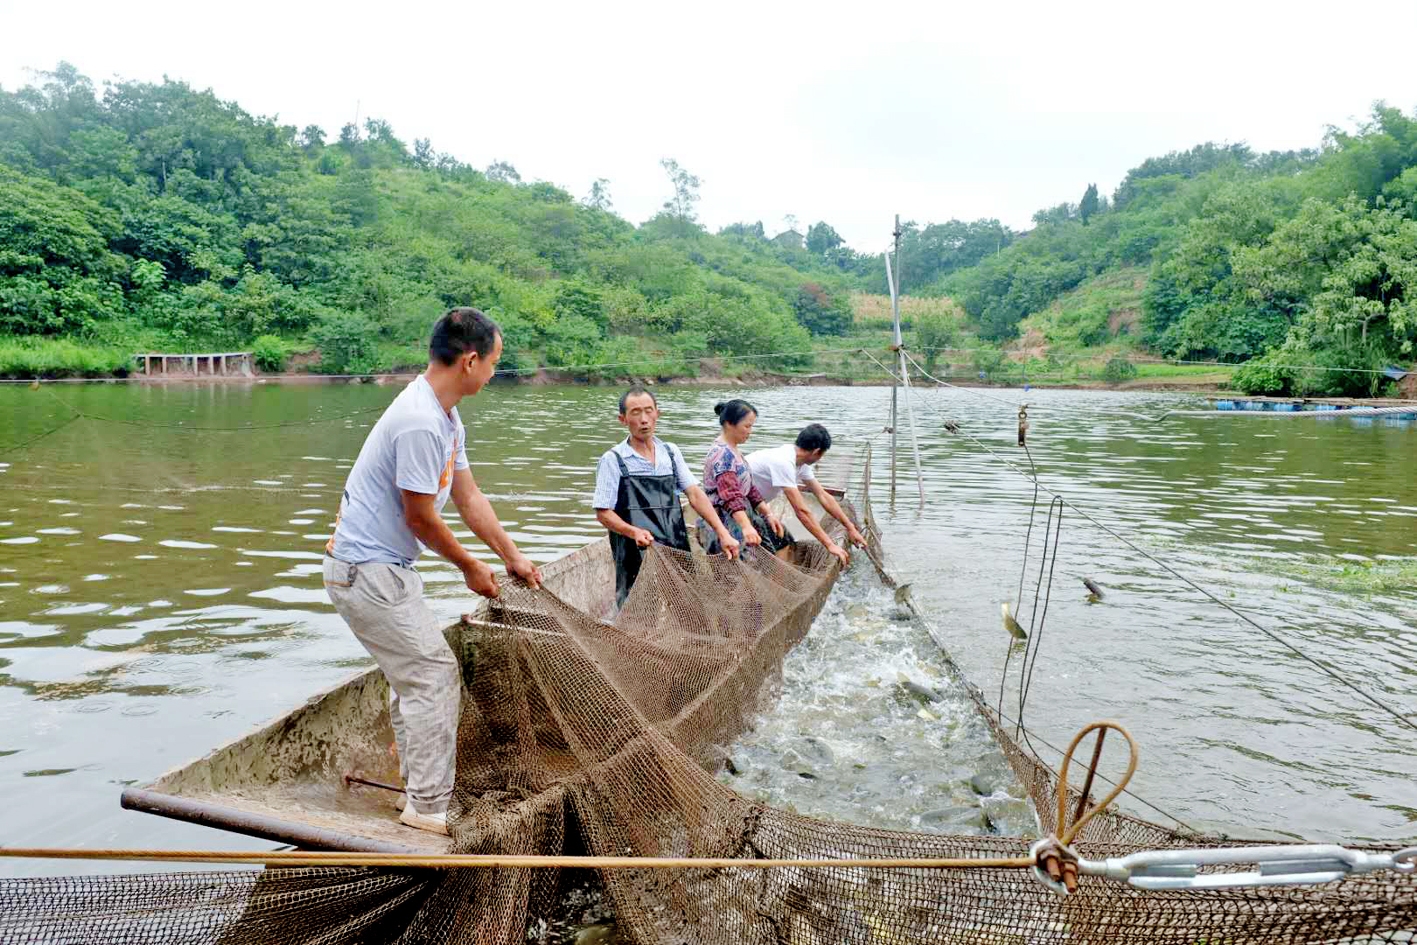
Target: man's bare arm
[835,510]
[612,521]
[699,502]
[477,512]
[428,526]
[809,521]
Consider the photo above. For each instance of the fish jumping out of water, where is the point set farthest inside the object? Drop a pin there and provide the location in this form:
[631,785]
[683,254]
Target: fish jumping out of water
[1094,592]
[1012,625]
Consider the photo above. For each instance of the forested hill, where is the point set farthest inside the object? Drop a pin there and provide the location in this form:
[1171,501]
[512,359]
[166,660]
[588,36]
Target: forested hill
[153,216]
[1298,263]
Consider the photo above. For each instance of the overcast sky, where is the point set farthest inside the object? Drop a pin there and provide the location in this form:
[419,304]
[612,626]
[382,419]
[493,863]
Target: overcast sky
[845,113]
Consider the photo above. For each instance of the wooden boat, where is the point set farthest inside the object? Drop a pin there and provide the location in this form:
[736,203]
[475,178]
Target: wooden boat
[286,781]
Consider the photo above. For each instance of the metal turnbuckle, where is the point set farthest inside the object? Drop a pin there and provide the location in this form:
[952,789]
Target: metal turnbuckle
[1292,865]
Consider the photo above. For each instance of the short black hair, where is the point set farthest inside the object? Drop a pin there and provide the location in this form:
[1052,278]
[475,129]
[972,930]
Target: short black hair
[732,412]
[459,331]
[633,391]
[814,437]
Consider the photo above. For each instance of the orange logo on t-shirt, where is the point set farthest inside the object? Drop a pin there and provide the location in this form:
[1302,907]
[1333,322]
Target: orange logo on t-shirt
[447,476]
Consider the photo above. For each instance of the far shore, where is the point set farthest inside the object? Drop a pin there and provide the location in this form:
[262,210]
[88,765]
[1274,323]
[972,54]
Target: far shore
[757,379]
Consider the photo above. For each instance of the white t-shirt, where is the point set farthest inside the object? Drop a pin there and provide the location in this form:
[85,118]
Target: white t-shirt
[416,445]
[775,469]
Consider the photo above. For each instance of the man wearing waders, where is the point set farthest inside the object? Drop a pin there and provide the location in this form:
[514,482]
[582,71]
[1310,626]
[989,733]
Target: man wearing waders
[637,486]
[413,460]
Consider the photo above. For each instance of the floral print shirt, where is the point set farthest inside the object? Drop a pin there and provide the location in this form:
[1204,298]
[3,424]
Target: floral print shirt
[728,480]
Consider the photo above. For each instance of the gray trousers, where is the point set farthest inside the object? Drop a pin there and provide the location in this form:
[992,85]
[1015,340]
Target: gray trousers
[383,604]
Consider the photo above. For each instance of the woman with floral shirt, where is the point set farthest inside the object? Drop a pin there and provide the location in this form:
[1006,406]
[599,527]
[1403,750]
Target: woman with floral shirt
[729,484]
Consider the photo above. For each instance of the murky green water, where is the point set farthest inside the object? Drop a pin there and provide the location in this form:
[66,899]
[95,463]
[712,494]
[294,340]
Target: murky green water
[159,588]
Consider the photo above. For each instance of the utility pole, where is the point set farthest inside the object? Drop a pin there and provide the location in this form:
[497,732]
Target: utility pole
[902,374]
[891,277]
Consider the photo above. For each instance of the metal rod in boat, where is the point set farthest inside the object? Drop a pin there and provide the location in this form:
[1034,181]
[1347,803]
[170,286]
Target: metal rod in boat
[350,778]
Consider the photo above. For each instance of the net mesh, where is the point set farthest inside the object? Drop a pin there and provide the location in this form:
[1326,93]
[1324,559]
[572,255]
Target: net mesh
[581,736]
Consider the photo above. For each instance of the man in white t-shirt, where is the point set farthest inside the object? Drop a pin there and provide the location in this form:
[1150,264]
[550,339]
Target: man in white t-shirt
[787,470]
[412,462]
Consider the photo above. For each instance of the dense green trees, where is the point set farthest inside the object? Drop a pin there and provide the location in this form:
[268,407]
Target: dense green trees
[155,215]
[1301,258]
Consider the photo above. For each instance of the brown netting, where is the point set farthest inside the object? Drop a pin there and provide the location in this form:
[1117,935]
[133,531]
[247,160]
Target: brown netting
[581,736]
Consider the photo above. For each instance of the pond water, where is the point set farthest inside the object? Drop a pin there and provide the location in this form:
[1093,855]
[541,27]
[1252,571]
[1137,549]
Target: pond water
[160,590]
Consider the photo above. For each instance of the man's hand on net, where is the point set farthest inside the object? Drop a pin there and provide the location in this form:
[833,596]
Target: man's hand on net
[642,537]
[841,553]
[728,543]
[854,535]
[480,579]
[520,566]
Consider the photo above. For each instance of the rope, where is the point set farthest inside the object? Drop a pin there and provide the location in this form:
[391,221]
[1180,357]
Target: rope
[35,439]
[1334,674]
[1035,637]
[303,858]
[967,390]
[295,858]
[1054,408]
[1004,717]
[1067,836]
[1018,598]
[1127,791]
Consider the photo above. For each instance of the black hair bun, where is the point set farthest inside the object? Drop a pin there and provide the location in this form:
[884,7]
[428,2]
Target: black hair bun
[718,408]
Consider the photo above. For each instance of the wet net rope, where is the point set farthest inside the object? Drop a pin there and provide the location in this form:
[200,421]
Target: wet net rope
[585,738]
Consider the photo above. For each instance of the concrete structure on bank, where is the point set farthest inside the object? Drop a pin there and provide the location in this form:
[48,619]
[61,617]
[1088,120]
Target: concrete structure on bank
[219,364]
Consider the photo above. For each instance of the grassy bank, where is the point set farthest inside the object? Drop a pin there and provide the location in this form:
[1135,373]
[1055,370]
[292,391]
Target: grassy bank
[836,358]
[61,357]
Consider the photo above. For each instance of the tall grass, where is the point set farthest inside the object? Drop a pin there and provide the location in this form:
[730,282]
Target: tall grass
[874,311]
[60,357]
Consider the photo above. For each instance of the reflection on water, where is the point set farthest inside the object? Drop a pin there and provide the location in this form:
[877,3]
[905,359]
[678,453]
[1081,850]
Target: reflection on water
[159,590]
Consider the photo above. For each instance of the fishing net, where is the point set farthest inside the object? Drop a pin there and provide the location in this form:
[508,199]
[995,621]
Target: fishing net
[581,736]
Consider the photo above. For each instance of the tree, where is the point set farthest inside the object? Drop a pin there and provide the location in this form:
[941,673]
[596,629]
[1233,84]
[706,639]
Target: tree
[423,154]
[686,192]
[933,333]
[1062,213]
[312,139]
[1088,205]
[56,271]
[821,314]
[599,196]
[822,239]
[752,231]
[503,172]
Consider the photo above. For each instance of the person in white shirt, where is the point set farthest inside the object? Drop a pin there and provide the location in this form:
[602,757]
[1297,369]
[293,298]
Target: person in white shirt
[787,470]
[412,462]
